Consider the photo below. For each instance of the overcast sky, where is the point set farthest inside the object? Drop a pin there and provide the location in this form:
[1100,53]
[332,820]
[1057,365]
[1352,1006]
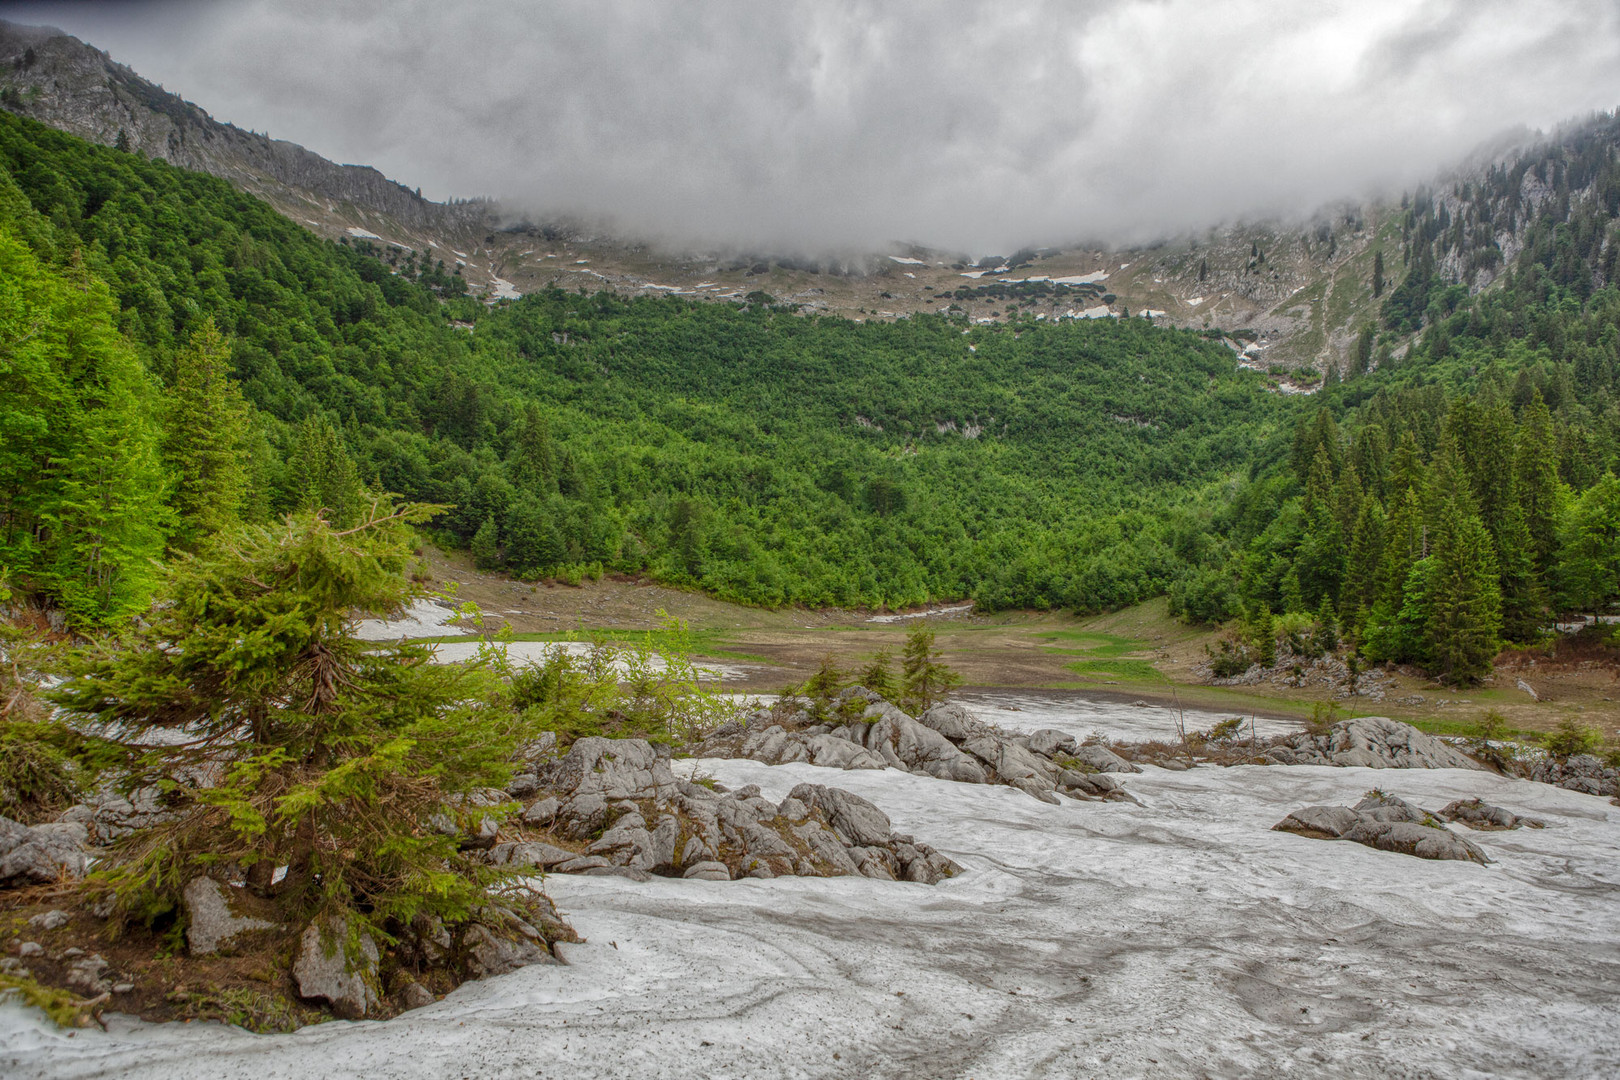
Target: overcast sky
[829,124]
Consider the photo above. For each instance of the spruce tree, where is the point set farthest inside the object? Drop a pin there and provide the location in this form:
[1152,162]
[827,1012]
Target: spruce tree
[925,679]
[1537,482]
[1463,627]
[486,545]
[330,753]
[1589,553]
[1360,590]
[323,475]
[1378,274]
[207,436]
[82,513]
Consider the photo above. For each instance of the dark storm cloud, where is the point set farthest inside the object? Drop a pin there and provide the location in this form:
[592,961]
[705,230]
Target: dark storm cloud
[839,123]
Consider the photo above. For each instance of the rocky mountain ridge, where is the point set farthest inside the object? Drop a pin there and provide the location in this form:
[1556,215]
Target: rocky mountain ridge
[1293,297]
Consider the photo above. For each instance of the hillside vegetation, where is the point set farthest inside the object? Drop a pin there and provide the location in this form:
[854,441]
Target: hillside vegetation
[1430,505]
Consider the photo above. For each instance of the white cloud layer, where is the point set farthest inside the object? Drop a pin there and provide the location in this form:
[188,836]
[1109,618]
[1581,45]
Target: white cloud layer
[828,124]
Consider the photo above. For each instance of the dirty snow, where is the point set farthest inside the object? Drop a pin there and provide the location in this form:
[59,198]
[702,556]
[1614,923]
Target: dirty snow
[425,618]
[908,262]
[924,614]
[503,289]
[354,230]
[1181,937]
[1099,312]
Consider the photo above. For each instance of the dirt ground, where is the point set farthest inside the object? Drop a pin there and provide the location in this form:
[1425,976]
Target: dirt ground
[1139,653]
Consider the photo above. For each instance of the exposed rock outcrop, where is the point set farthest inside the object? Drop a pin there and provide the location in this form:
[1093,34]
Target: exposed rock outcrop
[211,925]
[1386,823]
[946,742]
[1578,772]
[41,853]
[1485,817]
[332,969]
[1375,742]
[623,801]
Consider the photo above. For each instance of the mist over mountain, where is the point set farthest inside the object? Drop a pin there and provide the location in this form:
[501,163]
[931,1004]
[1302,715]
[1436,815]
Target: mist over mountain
[827,126]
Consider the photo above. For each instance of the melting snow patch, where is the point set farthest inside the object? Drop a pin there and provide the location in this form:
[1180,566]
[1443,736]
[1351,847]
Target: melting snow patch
[1099,312]
[923,614]
[1082,279]
[425,618]
[1178,937]
[906,261]
[353,230]
[973,273]
[504,290]
[1195,301]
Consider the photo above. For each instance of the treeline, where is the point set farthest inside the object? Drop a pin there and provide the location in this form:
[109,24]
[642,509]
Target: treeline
[1463,495]
[748,451]
[180,357]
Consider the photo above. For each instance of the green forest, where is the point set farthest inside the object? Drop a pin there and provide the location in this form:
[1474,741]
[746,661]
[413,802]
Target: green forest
[177,357]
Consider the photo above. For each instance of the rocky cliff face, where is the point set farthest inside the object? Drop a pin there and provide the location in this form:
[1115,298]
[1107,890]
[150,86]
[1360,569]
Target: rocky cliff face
[59,80]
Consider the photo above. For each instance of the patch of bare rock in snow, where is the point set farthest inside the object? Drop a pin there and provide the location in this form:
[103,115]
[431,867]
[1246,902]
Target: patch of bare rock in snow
[1174,934]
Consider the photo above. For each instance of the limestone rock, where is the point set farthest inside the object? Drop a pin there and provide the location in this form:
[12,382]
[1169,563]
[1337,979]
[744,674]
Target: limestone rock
[210,923]
[1372,741]
[415,996]
[529,853]
[42,853]
[855,820]
[1386,823]
[1320,822]
[708,871]
[324,971]
[1103,760]
[1578,772]
[490,954]
[50,920]
[1483,816]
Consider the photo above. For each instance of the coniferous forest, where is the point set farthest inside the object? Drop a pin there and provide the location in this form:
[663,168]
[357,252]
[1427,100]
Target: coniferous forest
[176,357]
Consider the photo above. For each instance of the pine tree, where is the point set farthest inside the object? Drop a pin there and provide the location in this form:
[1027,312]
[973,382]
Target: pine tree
[1360,590]
[82,489]
[329,753]
[1537,482]
[322,473]
[1364,351]
[1589,552]
[207,436]
[1524,593]
[878,675]
[1378,274]
[532,465]
[533,544]
[1203,269]
[486,545]
[925,680]
[1462,631]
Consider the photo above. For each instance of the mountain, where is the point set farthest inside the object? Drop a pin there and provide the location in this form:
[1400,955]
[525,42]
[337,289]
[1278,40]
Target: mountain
[1300,292]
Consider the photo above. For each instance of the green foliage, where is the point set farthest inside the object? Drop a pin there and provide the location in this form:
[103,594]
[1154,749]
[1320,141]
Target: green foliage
[878,676]
[207,442]
[331,753]
[1572,737]
[823,686]
[81,490]
[925,679]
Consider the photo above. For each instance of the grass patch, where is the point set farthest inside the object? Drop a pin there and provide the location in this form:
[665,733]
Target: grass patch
[1142,670]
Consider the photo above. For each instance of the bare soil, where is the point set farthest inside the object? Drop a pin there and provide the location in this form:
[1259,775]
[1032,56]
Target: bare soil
[1139,653]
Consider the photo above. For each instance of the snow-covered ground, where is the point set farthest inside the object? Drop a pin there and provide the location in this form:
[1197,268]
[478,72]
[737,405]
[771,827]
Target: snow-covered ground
[1082,717]
[424,619]
[1177,938]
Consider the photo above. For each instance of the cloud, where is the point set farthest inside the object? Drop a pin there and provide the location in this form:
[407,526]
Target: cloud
[832,124]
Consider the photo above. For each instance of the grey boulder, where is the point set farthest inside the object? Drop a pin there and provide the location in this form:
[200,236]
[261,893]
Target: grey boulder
[211,925]
[325,970]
